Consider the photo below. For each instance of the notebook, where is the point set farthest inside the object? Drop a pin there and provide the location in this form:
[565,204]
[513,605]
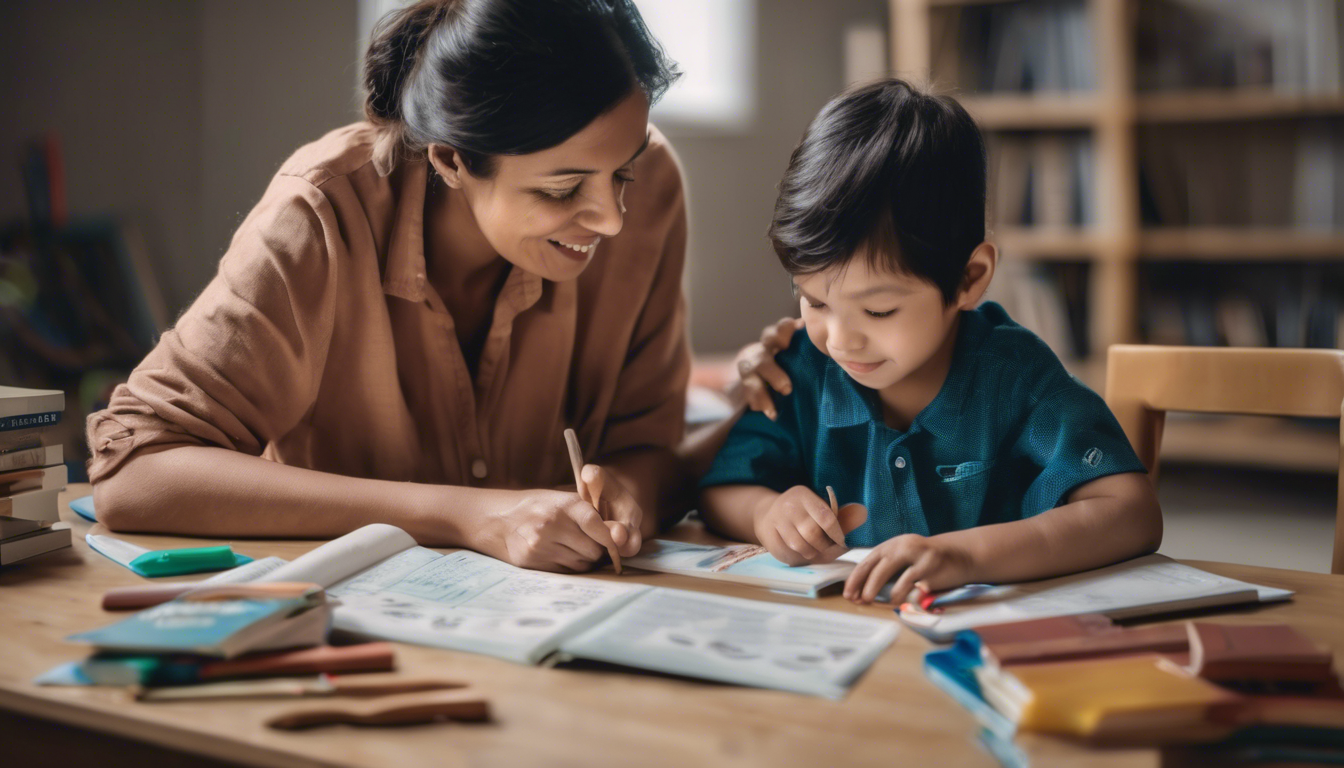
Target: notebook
[739,563]
[390,588]
[1153,584]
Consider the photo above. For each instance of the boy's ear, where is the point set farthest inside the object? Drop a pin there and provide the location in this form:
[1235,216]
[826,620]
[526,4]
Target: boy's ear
[977,275]
[447,163]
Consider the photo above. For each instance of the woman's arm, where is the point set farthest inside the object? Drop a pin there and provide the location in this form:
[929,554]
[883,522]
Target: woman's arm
[209,491]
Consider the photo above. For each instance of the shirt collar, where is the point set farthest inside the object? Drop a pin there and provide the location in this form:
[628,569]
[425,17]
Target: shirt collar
[405,273]
[846,403]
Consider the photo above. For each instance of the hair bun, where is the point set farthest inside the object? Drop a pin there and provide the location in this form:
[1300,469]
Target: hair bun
[392,55]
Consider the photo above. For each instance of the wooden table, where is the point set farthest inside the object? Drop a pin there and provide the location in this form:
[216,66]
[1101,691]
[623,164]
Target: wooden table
[548,717]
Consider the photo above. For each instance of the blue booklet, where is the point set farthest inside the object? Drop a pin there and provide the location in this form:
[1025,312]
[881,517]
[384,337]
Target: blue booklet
[219,627]
[953,670]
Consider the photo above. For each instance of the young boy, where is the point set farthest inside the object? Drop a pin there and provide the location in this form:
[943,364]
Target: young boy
[966,451]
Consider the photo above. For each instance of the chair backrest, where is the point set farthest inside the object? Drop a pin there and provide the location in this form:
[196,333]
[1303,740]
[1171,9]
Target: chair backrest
[1143,382]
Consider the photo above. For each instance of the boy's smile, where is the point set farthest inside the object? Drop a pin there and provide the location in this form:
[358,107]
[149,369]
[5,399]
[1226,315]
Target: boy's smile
[890,332]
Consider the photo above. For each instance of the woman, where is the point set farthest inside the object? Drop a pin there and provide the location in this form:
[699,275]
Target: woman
[420,304]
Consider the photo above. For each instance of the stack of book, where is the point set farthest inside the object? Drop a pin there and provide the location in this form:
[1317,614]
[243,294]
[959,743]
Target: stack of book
[1261,687]
[31,473]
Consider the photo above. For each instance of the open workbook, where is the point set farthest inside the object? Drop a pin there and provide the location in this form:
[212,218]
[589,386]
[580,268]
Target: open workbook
[1144,586]
[388,587]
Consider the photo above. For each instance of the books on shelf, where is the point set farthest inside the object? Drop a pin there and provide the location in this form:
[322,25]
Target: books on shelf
[390,588]
[31,473]
[1025,47]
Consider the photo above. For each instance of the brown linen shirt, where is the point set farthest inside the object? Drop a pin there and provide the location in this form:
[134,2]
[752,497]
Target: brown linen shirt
[321,344]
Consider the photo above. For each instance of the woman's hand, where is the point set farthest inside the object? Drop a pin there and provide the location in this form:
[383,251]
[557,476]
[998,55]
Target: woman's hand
[929,562]
[617,506]
[799,528]
[547,531]
[758,371]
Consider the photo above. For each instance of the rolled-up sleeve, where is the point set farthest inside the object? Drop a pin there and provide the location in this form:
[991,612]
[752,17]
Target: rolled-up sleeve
[242,366]
[649,403]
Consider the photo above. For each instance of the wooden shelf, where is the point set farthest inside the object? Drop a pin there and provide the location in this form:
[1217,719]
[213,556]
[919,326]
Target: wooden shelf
[1250,441]
[1229,243]
[1032,111]
[1212,106]
[1055,244]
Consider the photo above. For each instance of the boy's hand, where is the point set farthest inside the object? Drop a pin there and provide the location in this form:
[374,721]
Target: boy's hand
[929,562]
[757,368]
[799,528]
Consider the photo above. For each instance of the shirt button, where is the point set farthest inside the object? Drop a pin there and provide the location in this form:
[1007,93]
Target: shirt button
[900,462]
[478,469]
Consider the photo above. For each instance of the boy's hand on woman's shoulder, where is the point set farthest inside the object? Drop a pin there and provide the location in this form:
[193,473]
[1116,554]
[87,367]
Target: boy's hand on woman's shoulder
[799,528]
[929,562]
[757,370]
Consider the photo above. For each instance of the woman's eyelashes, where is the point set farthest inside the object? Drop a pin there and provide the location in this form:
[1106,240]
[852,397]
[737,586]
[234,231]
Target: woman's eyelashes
[888,313]
[565,195]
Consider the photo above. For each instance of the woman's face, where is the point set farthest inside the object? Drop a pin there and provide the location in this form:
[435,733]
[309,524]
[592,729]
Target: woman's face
[547,212]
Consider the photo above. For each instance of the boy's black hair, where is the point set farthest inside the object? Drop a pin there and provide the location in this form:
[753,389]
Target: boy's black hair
[891,171]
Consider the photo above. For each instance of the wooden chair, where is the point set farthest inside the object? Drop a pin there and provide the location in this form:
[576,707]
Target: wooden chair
[1144,382]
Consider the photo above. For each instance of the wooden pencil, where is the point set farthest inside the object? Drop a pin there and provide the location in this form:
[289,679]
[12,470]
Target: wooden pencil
[576,462]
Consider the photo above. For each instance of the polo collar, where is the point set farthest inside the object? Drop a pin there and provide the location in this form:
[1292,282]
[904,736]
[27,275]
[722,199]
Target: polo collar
[846,403]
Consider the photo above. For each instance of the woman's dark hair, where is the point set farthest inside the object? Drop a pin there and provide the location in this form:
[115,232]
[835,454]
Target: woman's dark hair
[504,77]
[891,171]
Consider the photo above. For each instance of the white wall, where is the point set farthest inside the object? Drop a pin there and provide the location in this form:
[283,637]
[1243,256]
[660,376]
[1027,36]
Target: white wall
[736,283]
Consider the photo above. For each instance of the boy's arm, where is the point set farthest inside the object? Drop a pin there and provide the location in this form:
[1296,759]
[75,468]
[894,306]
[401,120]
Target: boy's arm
[1105,520]
[730,510]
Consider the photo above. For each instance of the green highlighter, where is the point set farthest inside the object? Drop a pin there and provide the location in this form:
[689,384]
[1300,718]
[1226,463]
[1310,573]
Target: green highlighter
[176,562]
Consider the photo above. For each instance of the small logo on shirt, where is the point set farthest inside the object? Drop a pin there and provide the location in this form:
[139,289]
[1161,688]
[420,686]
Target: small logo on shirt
[1093,457]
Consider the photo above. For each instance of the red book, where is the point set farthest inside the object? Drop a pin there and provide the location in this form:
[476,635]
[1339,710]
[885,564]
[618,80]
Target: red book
[1079,637]
[1273,653]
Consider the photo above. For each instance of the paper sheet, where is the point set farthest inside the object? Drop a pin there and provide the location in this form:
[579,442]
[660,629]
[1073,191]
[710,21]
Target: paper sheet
[470,602]
[769,645]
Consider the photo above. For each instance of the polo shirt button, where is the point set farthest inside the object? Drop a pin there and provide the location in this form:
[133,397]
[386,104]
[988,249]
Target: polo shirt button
[900,462]
[478,469]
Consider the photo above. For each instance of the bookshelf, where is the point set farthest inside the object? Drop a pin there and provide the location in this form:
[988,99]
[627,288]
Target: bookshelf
[1114,108]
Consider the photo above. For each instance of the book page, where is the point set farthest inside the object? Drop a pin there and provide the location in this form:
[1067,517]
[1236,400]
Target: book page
[469,602]
[745,563]
[732,640]
[1150,584]
[341,558]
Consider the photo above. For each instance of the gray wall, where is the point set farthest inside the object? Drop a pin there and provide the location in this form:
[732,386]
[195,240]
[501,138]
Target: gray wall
[119,83]
[736,284]
[174,113]
[177,112]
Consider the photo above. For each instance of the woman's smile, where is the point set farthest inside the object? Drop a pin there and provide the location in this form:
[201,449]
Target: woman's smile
[575,251]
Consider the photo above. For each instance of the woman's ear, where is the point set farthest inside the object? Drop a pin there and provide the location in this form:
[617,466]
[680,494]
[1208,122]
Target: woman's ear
[977,275]
[447,163]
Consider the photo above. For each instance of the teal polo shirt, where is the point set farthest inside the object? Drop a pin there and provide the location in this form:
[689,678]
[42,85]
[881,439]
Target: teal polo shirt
[1009,435]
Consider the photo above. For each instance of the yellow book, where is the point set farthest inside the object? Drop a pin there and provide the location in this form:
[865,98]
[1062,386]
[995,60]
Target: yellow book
[1101,698]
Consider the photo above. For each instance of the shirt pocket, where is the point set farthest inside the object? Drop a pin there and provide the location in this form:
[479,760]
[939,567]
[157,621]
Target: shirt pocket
[956,473]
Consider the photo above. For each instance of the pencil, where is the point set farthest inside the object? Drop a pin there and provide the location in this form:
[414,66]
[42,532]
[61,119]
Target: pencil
[835,507]
[576,461]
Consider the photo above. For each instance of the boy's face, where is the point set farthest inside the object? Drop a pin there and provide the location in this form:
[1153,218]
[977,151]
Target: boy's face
[881,327]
